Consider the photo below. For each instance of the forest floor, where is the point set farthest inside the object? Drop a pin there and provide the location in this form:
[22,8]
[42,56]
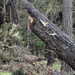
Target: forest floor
[41,65]
[5,73]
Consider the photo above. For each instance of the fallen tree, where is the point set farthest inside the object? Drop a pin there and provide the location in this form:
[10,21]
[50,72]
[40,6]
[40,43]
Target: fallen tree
[56,40]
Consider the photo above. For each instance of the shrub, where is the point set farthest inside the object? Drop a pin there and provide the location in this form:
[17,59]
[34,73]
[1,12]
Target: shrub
[18,72]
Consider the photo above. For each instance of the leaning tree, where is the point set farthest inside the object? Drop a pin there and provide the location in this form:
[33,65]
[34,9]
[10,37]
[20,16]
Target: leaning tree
[52,36]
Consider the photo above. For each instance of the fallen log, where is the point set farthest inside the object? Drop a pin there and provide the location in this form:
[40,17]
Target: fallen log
[56,40]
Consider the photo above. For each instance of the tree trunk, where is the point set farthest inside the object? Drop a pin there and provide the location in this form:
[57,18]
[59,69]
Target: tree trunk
[11,14]
[1,12]
[56,40]
[14,13]
[67,28]
[8,13]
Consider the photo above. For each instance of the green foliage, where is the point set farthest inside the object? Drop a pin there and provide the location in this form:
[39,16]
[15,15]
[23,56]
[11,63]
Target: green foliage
[37,43]
[5,73]
[18,72]
[56,67]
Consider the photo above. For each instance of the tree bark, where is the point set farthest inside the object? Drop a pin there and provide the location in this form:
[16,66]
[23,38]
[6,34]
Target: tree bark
[56,40]
[1,12]
[8,15]
[67,28]
[11,14]
[14,12]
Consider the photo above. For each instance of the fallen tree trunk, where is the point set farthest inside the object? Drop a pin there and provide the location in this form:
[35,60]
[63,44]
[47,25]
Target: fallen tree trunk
[56,40]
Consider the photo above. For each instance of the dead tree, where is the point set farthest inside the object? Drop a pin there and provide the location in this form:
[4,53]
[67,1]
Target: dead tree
[56,40]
